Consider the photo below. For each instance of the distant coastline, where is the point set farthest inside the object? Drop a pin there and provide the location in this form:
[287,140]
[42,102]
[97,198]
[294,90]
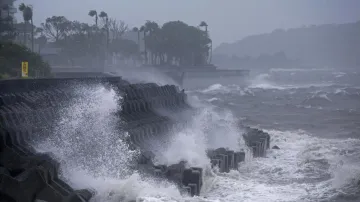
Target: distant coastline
[329,45]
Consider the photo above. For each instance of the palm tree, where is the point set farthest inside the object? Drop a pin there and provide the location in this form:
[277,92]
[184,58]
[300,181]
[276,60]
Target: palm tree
[22,9]
[152,28]
[30,10]
[27,12]
[103,15]
[143,29]
[93,13]
[135,29]
[204,24]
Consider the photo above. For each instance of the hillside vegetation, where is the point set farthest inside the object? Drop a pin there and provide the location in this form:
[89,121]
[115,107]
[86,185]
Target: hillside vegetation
[11,56]
[331,45]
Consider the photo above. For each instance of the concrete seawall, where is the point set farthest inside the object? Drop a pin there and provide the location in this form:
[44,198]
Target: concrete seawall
[28,105]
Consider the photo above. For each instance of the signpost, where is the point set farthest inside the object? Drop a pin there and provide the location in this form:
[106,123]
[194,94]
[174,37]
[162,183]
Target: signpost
[24,69]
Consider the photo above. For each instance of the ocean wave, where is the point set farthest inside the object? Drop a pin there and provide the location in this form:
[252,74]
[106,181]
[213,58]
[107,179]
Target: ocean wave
[338,74]
[222,89]
[265,81]
[213,99]
[299,69]
[305,168]
[347,91]
[216,88]
[317,99]
[340,91]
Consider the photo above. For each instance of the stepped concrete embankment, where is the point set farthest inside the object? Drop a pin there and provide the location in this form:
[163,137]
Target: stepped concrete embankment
[27,106]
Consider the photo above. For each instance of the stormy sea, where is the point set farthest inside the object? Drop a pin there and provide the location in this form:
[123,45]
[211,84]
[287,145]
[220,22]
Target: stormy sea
[312,115]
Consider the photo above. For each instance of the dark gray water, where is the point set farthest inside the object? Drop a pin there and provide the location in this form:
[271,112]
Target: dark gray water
[314,117]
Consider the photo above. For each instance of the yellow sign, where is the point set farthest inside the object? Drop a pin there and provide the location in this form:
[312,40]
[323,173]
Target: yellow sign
[24,69]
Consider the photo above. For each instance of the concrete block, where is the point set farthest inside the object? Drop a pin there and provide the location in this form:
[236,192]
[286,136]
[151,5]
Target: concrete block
[157,173]
[238,157]
[192,178]
[231,156]
[186,189]
[222,162]
[29,181]
[193,189]
[35,105]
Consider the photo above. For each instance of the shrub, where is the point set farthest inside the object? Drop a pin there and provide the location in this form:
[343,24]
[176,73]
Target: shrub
[11,56]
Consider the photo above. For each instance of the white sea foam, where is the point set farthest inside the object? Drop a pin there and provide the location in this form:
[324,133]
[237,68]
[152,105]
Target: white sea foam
[216,89]
[305,168]
[208,128]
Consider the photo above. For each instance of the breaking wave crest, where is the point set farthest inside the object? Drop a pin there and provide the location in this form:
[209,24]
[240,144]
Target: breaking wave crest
[86,136]
[222,89]
[263,81]
[209,128]
[88,144]
[304,169]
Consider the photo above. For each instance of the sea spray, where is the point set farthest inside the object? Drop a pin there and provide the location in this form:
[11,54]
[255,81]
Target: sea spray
[87,136]
[207,128]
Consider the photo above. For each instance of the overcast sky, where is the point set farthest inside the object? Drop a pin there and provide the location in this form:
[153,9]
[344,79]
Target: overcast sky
[228,20]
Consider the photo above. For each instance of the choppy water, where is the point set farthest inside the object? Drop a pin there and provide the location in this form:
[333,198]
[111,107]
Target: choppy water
[312,115]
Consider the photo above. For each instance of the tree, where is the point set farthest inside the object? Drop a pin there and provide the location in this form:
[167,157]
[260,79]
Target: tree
[204,24]
[56,28]
[173,43]
[135,29]
[153,30]
[27,12]
[93,13]
[117,28]
[143,29]
[105,18]
[176,43]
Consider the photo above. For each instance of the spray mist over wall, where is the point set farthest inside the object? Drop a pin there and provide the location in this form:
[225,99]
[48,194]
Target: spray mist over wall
[86,136]
[207,127]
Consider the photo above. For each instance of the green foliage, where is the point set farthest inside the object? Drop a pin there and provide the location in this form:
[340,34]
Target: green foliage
[93,13]
[173,43]
[176,42]
[103,14]
[11,56]
[56,28]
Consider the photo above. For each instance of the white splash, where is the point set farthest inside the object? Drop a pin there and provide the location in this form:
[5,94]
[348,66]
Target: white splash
[87,137]
[263,81]
[207,129]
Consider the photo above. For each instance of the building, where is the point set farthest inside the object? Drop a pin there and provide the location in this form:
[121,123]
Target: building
[7,9]
[7,19]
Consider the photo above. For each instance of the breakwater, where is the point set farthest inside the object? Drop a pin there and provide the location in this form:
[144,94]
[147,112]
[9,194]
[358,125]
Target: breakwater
[29,107]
